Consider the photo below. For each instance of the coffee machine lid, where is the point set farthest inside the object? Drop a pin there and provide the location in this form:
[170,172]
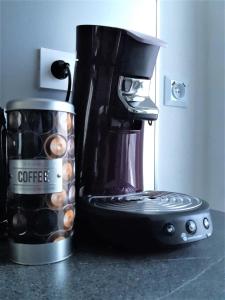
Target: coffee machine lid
[134,54]
[39,104]
[138,36]
[146,39]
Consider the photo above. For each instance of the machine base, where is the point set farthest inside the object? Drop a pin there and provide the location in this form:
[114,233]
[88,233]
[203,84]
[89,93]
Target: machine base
[40,254]
[147,218]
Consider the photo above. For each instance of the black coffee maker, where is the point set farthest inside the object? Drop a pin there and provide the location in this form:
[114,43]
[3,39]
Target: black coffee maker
[111,98]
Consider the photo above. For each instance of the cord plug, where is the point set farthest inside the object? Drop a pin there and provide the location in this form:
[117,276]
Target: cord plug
[61,70]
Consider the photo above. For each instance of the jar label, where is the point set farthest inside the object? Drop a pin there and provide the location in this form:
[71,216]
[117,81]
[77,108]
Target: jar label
[30,176]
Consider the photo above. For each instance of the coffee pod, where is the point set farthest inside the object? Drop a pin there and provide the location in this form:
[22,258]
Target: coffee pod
[33,120]
[57,200]
[71,194]
[71,146]
[64,123]
[57,236]
[55,146]
[45,221]
[69,122]
[68,171]
[30,144]
[47,119]
[14,120]
[69,215]
[12,145]
[41,122]
[19,223]
[61,123]
[24,144]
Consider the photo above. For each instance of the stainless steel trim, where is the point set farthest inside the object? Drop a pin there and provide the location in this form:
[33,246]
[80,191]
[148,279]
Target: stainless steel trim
[39,104]
[137,94]
[138,87]
[35,176]
[40,254]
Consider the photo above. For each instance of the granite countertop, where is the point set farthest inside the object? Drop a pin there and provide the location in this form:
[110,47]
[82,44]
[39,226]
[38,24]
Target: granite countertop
[196,271]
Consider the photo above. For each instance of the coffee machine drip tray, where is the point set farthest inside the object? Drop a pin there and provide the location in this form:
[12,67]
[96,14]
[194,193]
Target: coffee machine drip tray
[165,217]
[149,202]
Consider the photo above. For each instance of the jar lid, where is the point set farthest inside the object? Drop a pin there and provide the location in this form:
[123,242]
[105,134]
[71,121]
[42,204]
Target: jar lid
[39,104]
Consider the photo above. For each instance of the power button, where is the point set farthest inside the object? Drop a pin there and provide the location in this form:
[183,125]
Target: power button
[191,227]
[169,229]
[206,223]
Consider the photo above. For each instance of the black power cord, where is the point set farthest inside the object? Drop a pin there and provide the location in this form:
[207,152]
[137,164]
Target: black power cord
[61,70]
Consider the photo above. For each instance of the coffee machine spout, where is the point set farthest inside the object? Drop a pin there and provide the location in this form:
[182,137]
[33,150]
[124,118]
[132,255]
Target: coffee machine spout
[134,94]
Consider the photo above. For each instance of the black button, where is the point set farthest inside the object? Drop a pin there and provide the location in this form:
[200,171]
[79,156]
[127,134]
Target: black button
[191,227]
[169,229]
[206,223]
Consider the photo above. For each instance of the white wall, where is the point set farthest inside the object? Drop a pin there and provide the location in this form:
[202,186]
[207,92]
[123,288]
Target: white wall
[188,140]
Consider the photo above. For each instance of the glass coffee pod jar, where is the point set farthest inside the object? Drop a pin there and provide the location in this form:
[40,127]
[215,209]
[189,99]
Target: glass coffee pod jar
[41,192]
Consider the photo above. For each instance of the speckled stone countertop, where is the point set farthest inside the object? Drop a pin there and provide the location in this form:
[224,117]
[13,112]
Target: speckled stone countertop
[196,271]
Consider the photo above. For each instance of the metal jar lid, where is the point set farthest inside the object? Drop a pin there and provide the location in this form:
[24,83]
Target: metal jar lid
[39,104]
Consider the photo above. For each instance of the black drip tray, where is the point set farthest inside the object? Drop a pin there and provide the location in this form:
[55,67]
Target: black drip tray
[148,217]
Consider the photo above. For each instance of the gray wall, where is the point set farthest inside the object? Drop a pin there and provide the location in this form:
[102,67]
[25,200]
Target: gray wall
[29,25]
[190,143]
[216,104]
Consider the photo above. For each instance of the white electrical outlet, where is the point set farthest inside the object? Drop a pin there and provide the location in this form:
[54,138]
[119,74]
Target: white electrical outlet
[47,57]
[175,93]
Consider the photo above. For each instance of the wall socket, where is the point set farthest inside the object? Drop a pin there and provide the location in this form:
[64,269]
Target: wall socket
[47,57]
[175,92]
